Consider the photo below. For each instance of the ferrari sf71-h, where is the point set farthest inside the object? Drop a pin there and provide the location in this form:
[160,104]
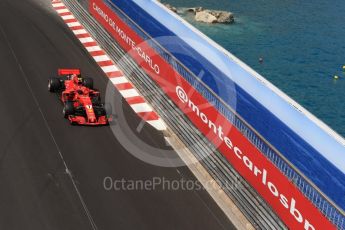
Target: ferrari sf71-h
[82,103]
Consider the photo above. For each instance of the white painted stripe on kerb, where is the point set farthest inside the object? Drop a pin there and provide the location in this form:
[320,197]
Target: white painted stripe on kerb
[118,80]
[58,4]
[67,17]
[81,31]
[158,124]
[142,107]
[129,93]
[62,11]
[85,40]
[93,48]
[101,58]
[73,24]
[110,68]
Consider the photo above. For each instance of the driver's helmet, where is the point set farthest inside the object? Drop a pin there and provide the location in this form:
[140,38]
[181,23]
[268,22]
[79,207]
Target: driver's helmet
[75,78]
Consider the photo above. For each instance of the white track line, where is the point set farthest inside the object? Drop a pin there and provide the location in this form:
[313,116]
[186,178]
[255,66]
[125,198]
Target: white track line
[93,48]
[85,40]
[67,17]
[119,80]
[58,4]
[110,68]
[157,124]
[62,11]
[73,24]
[81,31]
[101,58]
[141,108]
[129,93]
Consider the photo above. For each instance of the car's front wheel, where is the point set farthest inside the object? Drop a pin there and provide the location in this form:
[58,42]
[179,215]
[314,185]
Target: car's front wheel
[68,109]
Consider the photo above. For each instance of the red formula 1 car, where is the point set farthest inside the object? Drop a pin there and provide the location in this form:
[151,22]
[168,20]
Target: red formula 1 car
[82,103]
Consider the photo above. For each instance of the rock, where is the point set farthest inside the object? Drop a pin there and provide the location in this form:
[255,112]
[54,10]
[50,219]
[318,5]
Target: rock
[223,16]
[195,9]
[205,16]
[170,7]
[214,16]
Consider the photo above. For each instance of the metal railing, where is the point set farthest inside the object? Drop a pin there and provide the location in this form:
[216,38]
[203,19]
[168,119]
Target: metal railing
[326,206]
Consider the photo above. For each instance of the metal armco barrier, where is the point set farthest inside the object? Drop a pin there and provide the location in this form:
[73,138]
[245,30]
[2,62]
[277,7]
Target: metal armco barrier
[252,205]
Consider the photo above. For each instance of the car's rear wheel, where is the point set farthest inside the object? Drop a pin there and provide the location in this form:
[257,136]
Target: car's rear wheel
[73,123]
[88,82]
[68,109]
[54,84]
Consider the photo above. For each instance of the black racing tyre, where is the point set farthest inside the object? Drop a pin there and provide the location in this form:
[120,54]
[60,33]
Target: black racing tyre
[96,100]
[54,84]
[88,82]
[73,123]
[101,112]
[68,109]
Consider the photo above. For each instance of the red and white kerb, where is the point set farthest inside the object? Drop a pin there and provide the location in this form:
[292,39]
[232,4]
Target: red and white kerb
[115,75]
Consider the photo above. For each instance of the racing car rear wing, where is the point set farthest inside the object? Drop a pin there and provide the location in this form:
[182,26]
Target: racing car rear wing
[68,71]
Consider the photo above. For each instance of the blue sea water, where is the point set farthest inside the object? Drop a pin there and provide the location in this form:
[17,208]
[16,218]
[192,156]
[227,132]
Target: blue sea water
[302,44]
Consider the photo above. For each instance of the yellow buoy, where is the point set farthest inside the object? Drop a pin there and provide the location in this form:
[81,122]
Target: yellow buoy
[343,67]
[336,77]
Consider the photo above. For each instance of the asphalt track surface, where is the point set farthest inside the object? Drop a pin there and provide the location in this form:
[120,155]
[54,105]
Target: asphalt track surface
[36,142]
